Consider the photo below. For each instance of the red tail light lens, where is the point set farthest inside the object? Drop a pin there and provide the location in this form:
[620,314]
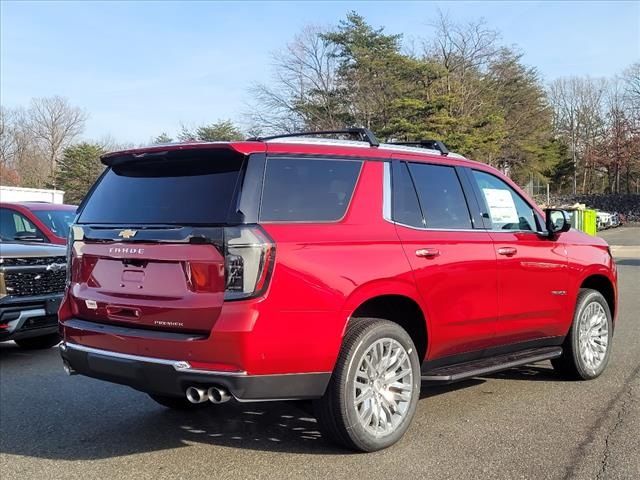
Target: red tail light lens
[249,259]
[203,277]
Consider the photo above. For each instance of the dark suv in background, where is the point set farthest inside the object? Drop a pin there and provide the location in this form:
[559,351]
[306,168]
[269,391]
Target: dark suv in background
[346,272]
[32,280]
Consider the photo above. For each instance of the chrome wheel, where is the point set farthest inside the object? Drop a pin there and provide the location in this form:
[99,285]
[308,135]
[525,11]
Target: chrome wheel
[593,335]
[383,387]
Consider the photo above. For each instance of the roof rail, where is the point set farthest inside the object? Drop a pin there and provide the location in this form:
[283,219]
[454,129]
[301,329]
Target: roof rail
[430,144]
[364,134]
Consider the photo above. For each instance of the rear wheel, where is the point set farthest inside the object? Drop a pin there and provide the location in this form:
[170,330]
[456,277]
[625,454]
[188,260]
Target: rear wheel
[38,343]
[587,348]
[177,403]
[372,396]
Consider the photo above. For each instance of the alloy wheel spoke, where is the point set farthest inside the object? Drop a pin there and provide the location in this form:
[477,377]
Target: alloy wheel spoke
[383,386]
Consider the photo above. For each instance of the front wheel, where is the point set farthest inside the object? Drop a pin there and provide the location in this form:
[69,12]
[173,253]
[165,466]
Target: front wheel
[587,348]
[372,396]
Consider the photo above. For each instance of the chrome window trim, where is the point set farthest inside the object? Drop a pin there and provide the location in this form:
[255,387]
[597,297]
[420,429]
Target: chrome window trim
[386,193]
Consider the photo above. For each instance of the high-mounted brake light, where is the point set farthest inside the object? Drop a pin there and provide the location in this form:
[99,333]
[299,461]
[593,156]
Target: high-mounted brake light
[249,259]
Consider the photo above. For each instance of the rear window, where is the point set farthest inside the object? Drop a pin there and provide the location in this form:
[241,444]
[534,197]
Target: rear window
[182,187]
[307,190]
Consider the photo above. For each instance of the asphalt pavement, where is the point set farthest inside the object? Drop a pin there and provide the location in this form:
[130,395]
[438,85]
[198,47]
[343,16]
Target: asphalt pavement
[525,423]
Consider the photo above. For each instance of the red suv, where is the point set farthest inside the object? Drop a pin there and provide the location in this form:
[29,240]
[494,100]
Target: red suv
[341,271]
[36,222]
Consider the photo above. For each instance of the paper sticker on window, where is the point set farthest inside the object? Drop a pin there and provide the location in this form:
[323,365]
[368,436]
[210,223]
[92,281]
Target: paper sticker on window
[501,205]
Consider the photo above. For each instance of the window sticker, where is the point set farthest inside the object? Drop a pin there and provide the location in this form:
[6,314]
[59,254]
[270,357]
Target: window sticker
[502,208]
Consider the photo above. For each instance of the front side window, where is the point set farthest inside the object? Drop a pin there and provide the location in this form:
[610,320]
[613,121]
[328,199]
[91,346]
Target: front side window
[441,196]
[506,209]
[307,190]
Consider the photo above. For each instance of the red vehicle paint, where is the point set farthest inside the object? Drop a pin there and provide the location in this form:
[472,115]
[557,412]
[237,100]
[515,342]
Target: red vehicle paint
[258,301]
[36,221]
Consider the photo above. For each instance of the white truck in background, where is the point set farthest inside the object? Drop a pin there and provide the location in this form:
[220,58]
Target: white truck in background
[23,194]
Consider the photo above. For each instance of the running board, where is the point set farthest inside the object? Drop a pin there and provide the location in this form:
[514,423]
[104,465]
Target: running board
[484,366]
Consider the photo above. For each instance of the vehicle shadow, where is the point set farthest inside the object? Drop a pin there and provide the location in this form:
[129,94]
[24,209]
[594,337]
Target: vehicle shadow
[529,373]
[84,419]
[48,415]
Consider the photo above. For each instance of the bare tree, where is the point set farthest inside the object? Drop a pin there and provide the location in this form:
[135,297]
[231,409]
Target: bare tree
[578,105]
[302,93]
[53,124]
[20,162]
[464,50]
[631,79]
[7,136]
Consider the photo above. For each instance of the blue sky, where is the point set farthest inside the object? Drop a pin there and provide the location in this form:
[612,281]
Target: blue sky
[141,68]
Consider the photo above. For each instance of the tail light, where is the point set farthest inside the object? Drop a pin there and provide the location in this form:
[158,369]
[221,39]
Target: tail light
[75,234]
[249,258]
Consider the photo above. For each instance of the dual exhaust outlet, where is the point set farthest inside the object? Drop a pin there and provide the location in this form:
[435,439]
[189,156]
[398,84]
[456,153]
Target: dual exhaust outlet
[211,394]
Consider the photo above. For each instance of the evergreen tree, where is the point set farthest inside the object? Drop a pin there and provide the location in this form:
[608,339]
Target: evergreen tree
[78,169]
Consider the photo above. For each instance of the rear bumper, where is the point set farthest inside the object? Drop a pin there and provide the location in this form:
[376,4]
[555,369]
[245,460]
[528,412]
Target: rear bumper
[173,377]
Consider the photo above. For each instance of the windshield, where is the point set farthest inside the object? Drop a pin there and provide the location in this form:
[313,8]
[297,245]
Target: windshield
[57,221]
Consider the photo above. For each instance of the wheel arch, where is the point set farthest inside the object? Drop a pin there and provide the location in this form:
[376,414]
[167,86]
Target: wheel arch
[402,308]
[604,285]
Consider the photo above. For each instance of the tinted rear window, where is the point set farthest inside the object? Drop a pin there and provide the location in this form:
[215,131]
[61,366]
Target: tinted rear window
[307,190]
[183,188]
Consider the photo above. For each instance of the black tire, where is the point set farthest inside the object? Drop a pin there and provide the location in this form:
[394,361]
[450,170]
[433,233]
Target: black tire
[39,343]
[177,403]
[571,364]
[336,412]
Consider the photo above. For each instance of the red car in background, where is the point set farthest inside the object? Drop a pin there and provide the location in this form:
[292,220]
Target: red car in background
[36,221]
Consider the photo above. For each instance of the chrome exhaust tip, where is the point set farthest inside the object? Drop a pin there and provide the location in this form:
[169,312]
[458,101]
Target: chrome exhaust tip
[68,369]
[196,395]
[218,395]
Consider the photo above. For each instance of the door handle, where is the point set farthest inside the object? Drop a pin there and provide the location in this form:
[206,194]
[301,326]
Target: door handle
[508,251]
[427,252]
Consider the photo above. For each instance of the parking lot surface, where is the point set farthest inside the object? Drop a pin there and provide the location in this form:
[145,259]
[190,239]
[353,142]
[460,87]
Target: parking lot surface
[523,423]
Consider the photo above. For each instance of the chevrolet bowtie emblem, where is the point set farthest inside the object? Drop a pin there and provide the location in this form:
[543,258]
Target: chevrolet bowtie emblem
[127,233]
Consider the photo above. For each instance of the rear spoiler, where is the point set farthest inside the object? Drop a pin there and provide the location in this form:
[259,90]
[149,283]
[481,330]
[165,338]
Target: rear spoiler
[165,151]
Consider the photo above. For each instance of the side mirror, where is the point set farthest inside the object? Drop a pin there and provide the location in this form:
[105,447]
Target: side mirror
[556,221]
[27,237]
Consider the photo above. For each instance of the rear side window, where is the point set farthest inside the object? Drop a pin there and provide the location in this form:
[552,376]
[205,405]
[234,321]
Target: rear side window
[183,187]
[441,196]
[307,190]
